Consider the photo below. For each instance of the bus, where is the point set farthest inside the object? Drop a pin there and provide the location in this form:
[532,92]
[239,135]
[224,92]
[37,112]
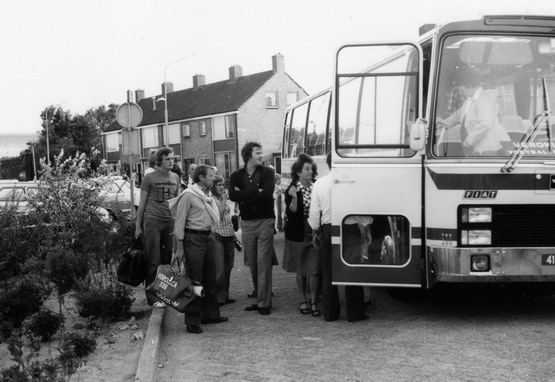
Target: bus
[416,203]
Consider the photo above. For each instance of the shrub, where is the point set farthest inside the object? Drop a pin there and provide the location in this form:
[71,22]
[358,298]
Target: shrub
[112,302]
[44,324]
[19,298]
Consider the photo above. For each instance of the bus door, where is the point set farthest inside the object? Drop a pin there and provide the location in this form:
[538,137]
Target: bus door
[376,177]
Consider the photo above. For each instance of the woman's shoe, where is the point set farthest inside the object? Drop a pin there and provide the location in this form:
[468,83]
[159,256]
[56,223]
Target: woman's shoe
[195,329]
[314,310]
[303,308]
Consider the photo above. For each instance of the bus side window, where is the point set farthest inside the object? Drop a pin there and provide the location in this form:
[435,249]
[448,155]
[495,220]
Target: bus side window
[298,129]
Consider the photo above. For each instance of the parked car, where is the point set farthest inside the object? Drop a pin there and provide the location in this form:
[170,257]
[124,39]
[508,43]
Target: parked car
[17,194]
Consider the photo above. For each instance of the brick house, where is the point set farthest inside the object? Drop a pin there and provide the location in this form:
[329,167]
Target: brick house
[209,123]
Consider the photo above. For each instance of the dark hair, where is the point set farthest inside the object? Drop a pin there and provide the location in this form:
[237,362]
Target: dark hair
[467,77]
[161,153]
[152,157]
[177,170]
[328,160]
[298,166]
[246,151]
[217,179]
[202,169]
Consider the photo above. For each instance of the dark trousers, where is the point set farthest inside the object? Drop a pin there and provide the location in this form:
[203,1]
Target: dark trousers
[157,240]
[200,264]
[330,296]
[225,257]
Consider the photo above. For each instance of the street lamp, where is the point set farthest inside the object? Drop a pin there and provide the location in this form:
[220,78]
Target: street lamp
[165,97]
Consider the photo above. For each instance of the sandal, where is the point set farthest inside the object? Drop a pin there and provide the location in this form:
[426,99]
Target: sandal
[303,308]
[314,310]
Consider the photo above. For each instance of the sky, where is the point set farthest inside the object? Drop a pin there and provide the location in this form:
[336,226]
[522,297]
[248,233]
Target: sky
[84,54]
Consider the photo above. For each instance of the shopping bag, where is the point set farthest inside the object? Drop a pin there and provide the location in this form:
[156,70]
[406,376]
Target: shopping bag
[174,288]
[131,268]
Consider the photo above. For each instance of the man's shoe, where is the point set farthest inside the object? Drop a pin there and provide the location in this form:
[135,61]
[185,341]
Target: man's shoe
[251,308]
[159,304]
[214,320]
[264,311]
[229,301]
[195,329]
[252,294]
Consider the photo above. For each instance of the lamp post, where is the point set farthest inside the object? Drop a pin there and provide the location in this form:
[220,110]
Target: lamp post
[165,98]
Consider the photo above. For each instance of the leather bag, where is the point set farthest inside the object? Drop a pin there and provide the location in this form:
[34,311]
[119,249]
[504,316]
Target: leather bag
[131,268]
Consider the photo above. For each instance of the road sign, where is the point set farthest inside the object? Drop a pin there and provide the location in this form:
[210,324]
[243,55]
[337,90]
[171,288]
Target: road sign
[130,142]
[129,115]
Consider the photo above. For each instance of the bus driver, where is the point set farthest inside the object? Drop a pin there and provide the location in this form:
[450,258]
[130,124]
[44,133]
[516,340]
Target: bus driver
[481,132]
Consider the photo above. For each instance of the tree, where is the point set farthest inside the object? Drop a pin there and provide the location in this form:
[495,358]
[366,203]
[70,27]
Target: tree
[72,134]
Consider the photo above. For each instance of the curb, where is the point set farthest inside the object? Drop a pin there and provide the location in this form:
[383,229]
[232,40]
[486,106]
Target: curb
[148,361]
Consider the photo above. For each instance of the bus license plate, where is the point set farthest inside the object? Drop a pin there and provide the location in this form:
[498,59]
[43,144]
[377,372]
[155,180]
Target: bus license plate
[548,259]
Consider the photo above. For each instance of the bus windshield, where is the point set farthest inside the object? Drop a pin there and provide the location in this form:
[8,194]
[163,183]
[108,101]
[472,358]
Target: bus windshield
[491,90]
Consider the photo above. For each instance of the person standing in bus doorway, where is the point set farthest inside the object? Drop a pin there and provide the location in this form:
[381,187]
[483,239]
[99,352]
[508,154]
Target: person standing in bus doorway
[196,212]
[480,130]
[253,187]
[299,253]
[320,221]
[154,218]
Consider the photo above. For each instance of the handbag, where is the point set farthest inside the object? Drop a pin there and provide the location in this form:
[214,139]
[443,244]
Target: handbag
[131,268]
[174,288]
[235,222]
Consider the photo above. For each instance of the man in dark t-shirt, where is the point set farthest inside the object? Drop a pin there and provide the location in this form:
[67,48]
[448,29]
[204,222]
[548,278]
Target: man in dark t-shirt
[253,187]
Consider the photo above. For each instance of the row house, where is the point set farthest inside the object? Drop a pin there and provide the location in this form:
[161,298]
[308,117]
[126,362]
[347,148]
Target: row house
[209,123]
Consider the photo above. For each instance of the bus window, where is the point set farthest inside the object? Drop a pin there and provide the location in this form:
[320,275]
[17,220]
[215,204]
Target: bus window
[317,125]
[489,92]
[286,133]
[377,104]
[375,239]
[298,129]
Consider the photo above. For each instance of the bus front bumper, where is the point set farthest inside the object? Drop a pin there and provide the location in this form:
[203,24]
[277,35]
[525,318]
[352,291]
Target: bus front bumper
[491,265]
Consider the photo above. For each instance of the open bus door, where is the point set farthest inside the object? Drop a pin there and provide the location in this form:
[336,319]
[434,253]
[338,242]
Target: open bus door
[376,176]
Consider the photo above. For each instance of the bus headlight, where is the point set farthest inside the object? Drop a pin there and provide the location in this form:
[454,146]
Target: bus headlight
[476,237]
[476,215]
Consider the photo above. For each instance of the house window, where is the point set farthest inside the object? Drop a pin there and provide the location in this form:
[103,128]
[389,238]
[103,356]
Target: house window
[292,98]
[202,128]
[271,100]
[186,128]
[230,126]
[112,142]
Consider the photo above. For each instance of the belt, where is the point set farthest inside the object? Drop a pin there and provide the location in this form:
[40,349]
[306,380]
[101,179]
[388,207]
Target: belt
[207,232]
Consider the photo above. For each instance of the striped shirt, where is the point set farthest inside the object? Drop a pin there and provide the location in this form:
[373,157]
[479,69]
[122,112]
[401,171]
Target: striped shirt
[224,227]
[191,214]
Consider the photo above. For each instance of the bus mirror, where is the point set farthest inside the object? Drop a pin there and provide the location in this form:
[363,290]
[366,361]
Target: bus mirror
[418,135]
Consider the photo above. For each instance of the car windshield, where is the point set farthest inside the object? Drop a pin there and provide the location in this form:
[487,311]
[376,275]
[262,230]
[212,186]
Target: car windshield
[491,91]
[11,194]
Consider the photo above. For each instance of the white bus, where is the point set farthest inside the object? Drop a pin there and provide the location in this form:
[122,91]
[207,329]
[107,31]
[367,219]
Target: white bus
[414,204]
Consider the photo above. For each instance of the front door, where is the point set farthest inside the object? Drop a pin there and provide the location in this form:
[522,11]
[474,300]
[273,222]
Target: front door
[376,177]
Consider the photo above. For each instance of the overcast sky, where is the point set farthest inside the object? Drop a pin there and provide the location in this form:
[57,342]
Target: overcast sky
[83,54]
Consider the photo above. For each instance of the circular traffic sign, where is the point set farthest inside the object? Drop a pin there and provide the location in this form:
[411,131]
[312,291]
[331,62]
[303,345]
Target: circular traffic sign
[129,115]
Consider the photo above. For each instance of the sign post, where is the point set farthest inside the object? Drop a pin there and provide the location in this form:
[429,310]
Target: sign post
[129,115]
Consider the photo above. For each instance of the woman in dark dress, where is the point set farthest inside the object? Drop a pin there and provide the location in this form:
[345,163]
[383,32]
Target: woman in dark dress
[299,255]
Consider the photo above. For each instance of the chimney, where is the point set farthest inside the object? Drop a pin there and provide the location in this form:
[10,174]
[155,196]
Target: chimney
[235,71]
[169,88]
[199,80]
[278,63]
[139,95]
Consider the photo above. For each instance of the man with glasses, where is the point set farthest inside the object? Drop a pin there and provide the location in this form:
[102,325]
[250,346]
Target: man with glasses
[154,219]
